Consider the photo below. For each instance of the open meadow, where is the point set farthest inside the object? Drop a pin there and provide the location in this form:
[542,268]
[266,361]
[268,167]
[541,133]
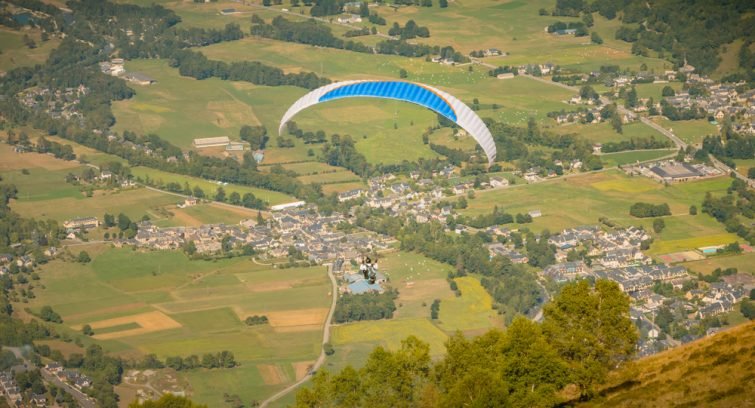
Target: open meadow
[163,303]
[691,131]
[582,199]
[209,187]
[14,53]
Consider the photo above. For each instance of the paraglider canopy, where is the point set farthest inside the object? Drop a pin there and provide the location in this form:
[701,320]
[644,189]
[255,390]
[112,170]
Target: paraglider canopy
[420,94]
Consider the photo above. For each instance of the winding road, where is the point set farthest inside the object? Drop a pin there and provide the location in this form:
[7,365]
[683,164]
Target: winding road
[325,339]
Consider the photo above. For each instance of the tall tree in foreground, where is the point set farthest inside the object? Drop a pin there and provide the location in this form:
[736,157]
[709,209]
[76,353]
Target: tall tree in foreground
[591,329]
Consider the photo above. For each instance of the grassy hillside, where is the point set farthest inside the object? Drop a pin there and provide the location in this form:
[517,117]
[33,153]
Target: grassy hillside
[712,372]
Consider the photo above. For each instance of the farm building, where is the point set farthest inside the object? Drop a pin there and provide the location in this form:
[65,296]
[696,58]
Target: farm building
[676,171]
[211,142]
[139,79]
[281,207]
[86,222]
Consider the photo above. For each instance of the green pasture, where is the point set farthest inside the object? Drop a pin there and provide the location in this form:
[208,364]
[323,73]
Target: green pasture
[209,187]
[14,53]
[133,202]
[691,131]
[742,262]
[604,132]
[41,185]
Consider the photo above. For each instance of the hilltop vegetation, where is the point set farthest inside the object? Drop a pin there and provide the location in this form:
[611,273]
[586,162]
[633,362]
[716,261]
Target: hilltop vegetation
[713,372]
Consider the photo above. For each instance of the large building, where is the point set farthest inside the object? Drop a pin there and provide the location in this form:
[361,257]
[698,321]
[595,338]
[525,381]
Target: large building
[211,142]
[676,172]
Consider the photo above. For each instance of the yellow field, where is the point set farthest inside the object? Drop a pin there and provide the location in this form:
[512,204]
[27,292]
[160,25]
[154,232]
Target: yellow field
[305,319]
[272,374]
[677,245]
[10,160]
[390,333]
[149,322]
[472,310]
[627,186]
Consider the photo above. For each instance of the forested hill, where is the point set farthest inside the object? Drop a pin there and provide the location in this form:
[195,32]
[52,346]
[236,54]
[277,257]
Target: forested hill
[673,29]
[714,371]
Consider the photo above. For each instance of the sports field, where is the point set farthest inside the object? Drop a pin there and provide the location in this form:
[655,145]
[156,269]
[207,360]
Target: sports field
[164,303]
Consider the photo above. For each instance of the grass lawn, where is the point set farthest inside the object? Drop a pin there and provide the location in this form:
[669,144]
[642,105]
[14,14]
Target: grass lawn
[209,187]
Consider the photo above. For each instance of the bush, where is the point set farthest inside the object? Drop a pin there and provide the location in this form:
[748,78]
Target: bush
[256,320]
[328,349]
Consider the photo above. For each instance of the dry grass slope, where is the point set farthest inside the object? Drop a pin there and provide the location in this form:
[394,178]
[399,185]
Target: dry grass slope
[715,371]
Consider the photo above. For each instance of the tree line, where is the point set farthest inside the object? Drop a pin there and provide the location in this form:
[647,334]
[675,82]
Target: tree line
[644,210]
[367,306]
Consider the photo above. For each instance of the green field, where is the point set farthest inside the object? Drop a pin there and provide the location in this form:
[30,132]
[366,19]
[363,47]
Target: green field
[691,131]
[622,158]
[209,187]
[207,300]
[14,54]
[604,133]
[742,262]
[581,200]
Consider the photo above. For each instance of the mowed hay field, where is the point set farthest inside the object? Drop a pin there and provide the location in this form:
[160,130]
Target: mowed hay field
[163,303]
[583,199]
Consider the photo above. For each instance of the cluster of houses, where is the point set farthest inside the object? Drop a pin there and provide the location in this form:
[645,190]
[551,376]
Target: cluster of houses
[616,256]
[62,103]
[719,101]
[10,388]
[7,261]
[302,229]
[74,378]
[12,393]
[671,171]
[115,68]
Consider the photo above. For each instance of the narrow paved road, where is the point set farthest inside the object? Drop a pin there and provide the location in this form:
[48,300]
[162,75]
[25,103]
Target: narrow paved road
[325,339]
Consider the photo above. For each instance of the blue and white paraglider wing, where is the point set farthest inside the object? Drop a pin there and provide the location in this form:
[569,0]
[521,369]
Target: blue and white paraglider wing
[424,95]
